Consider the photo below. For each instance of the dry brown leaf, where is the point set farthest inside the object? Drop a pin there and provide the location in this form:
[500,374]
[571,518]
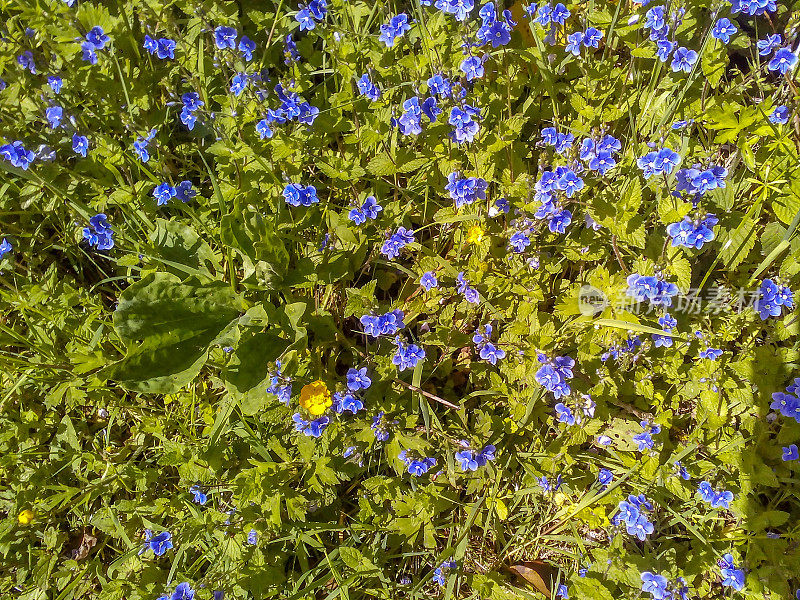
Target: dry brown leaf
[87,542]
[538,573]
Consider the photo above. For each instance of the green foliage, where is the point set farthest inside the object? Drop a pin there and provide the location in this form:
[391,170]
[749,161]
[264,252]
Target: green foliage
[130,375]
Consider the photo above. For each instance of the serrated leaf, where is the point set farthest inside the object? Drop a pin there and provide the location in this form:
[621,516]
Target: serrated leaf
[382,165]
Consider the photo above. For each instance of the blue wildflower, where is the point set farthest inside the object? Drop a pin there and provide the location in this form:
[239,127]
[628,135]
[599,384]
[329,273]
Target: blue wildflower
[199,496]
[99,233]
[225,37]
[428,281]
[407,355]
[394,29]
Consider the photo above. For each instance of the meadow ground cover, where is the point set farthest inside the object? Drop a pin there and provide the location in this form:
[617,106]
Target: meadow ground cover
[399,299]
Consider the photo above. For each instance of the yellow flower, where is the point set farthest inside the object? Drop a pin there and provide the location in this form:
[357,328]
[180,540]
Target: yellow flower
[475,235]
[315,398]
[25,517]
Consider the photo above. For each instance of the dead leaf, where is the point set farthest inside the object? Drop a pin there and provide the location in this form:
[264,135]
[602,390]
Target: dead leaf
[538,573]
[87,542]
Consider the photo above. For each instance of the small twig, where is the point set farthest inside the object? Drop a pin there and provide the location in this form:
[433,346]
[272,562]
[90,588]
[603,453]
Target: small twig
[618,255]
[428,395]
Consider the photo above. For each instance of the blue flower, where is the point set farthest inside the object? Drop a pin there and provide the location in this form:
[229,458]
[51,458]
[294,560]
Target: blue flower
[411,120]
[396,27]
[263,129]
[767,45]
[663,49]
[783,61]
[731,576]
[519,241]
[306,21]
[780,115]
[559,14]
[489,352]
[570,183]
[655,585]
[559,221]
[565,414]
[99,233]
[753,7]
[787,404]
[140,146]
[198,494]
[239,83]
[562,592]
[605,477]
[89,55]
[97,38]
[407,355]
[592,37]
[472,67]
[683,60]
[645,441]
[368,89]
[380,427]
[772,299]
[300,195]
[723,30]
[790,453]
[465,190]
[160,543]
[5,247]
[25,60]
[467,460]
[55,82]
[17,155]
[711,353]
[183,592]
[431,109]
[80,144]
[368,210]
[463,287]
[387,324]
[310,428]
[459,8]
[346,402]
[247,47]
[554,373]
[440,86]
[428,281]
[358,379]
[225,37]
[465,129]
[574,41]
[692,233]
[184,191]
[290,50]
[252,537]
[163,48]
[417,466]
[498,33]
[398,240]
[628,513]
[163,193]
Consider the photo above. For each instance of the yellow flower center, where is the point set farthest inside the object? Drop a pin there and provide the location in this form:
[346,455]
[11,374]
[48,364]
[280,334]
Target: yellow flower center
[25,517]
[315,398]
[475,235]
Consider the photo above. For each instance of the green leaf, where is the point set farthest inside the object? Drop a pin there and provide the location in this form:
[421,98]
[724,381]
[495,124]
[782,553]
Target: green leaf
[736,244]
[248,232]
[251,359]
[382,165]
[182,250]
[167,326]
